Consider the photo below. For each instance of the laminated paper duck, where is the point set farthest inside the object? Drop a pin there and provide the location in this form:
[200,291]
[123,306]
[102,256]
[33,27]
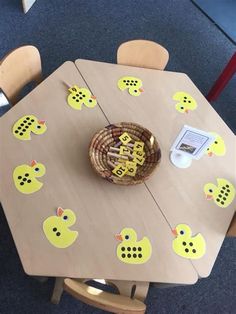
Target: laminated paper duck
[27,124]
[134,85]
[56,228]
[24,177]
[185,102]
[79,96]
[130,250]
[217,147]
[187,246]
[223,194]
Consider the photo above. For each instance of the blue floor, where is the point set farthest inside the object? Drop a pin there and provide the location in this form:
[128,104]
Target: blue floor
[66,30]
[222,12]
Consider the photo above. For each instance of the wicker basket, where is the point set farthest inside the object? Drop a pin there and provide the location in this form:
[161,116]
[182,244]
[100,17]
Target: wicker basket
[109,137]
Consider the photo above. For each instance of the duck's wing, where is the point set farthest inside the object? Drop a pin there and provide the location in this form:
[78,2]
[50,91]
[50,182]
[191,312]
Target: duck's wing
[145,243]
[201,241]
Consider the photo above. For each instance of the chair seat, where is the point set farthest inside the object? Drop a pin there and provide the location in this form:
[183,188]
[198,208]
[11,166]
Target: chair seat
[103,300]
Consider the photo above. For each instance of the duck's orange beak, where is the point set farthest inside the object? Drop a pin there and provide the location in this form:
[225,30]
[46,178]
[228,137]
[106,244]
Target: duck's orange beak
[118,237]
[93,97]
[141,90]
[210,154]
[60,211]
[174,232]
[186,110]
[41,121]
[209,197]
[33,163]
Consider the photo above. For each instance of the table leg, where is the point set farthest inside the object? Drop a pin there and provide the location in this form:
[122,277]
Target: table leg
[57,291]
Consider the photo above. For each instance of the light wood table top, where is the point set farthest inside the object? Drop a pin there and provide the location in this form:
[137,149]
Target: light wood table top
[102,209]
[178,192]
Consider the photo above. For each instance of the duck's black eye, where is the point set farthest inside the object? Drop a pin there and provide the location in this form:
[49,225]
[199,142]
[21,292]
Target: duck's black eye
[182,108]
[65,217]
[38,127]
[216,142]
[36,169]
[210,190]
[182,232]
[126,237]
[90,100]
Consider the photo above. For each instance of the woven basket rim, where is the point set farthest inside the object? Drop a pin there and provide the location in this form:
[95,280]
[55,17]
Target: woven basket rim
[115,179]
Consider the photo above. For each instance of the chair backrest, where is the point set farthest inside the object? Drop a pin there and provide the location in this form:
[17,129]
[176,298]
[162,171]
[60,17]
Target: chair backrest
[106,301]
[143,53]
[18,68]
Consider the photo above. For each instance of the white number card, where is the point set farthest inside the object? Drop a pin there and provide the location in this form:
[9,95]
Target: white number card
[190,144]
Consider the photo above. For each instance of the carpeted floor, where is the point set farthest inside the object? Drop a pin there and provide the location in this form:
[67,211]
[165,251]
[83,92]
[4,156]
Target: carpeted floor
[67,30]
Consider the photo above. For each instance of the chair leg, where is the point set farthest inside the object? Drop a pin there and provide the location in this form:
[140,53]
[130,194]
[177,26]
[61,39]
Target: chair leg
[58,290]
[223,79]
[126,287]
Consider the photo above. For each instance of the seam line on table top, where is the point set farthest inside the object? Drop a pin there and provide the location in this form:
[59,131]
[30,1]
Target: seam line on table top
[110,123]
[168,223]
[92,93]
[144,182]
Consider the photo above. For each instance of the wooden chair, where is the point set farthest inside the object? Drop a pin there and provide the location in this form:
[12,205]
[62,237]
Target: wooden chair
[143,53]
[18,68]
[114,303]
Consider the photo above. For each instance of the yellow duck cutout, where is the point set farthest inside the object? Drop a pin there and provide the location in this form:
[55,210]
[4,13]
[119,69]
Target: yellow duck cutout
[187,246]
[27,124]
[79,96]
[133,84]
[223,194]
[186,102]
[130,250]
[56,228]
[217,147]
[24,177]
